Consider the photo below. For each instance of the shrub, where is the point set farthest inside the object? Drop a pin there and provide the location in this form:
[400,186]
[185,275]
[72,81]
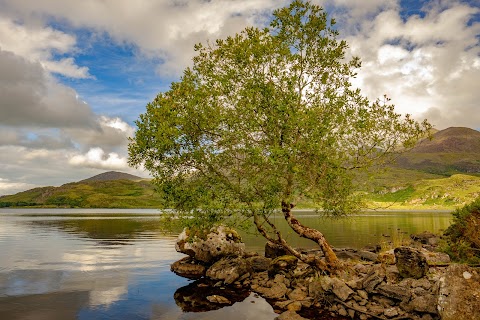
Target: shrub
[463,236]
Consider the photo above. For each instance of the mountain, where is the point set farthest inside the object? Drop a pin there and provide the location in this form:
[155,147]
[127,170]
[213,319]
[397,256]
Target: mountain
[112,175]
[450,151]
[106,190]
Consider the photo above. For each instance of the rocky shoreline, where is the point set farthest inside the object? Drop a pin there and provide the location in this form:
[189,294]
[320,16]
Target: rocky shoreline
[408,282]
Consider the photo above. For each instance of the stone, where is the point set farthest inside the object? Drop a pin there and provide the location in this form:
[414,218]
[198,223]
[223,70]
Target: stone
[276,291]
[221,241]
[188,268]
[295,306]
[435,258]
[424,237]
[421,283]
[459,298]
[390,312]
[393,291]
[368,256]
[282,265]
[340,289]
[363,294]
[290,315]
[425,304]
[228,269]
[297,294]
[373,278]
[218,299]
[259,263]
[315,290]
[273,250]
[411,263]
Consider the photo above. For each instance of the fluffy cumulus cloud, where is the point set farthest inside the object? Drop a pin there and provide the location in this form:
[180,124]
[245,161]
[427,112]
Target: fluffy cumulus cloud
[428,62]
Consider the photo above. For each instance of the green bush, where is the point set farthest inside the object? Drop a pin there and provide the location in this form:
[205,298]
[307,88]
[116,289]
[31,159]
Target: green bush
[463,236]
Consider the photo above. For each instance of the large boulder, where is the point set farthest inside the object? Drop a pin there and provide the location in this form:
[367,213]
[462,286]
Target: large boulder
[220,242]
[411,263]
[459,295]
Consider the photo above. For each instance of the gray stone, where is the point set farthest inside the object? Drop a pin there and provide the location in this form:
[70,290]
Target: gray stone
[411,263]
[368,256]
[340,289]
[459,296]
[228,269]
[221,241]
[373,278]
[393,291]
[282,265]
[426,303]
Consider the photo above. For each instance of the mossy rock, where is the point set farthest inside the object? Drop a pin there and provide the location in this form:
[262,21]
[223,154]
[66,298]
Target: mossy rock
[282,265]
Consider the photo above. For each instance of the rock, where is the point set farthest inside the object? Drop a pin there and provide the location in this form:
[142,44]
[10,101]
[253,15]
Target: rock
[425,304]
[390,312]
[290,315]
[297,294]
[368,256]
[276,291]
[424,237]
[259,263]
[394,292]
[282,265]
[221,241]
[373,278]
[295,306]
[363,294]
[411,263]
[340,289]
[273,250]
[188,268]
[435,258]
[459,295]
[228,269]
[218,299]
[315,290]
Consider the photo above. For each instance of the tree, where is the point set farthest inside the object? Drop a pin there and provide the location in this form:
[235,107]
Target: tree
[266,118]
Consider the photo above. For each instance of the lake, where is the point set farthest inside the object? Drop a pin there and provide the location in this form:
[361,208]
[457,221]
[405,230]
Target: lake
[115,264]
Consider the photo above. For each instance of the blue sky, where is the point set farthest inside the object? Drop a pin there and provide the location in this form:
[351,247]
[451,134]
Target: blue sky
[75,75]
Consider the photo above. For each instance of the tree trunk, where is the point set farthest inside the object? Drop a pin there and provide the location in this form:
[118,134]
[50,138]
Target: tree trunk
[313,234]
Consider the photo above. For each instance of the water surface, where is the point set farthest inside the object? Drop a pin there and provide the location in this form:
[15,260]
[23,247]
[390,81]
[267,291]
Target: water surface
[115,264]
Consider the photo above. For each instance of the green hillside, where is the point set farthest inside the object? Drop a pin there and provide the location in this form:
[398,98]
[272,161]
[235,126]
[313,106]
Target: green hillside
[89,194]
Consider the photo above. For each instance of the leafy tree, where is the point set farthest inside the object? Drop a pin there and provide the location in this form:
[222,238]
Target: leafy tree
[264,119]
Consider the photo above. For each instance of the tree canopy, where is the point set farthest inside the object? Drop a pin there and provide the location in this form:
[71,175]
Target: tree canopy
[264,119]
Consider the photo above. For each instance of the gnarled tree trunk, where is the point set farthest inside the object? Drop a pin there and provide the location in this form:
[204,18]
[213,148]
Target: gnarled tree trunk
[313,234]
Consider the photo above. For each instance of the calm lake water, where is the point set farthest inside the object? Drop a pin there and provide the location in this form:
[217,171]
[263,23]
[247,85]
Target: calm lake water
[115,264]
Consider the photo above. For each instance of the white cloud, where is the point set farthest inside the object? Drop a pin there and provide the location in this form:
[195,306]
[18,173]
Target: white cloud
[39,44]
[97,158]
[8,187]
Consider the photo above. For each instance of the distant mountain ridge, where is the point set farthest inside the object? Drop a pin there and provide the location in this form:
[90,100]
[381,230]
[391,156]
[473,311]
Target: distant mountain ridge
[112,175]
[450,151]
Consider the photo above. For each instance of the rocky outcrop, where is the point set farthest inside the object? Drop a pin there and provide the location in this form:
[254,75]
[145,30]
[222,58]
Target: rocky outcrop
[459,296]
[404,283]
[411,263]
[220,242]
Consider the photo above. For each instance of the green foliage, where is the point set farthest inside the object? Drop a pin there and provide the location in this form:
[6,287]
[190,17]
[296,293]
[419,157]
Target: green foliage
[463,235]
[267,117]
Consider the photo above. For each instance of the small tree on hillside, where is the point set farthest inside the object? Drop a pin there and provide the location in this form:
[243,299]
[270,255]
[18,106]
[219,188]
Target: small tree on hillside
[266,118]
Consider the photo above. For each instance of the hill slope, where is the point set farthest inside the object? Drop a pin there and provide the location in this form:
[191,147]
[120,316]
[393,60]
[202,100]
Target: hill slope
[102,191]
[453,150]
[112,175]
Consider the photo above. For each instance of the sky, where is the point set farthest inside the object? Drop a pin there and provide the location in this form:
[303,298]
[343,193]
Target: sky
[75,75]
